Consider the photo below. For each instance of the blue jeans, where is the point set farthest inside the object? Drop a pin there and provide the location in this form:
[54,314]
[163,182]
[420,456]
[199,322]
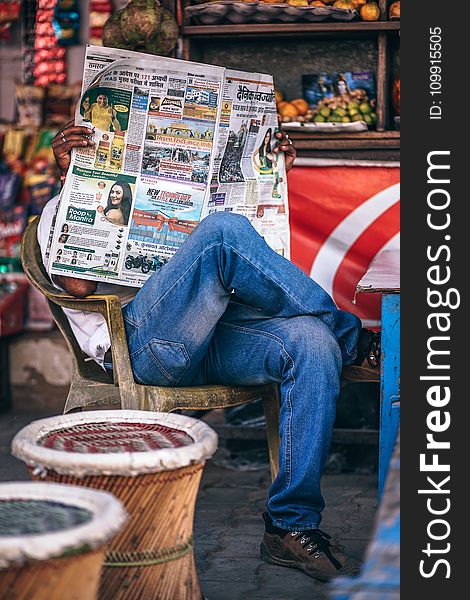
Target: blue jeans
[227,309]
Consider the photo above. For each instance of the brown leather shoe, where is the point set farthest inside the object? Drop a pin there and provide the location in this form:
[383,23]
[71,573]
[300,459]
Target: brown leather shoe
[310,551]
[366,367]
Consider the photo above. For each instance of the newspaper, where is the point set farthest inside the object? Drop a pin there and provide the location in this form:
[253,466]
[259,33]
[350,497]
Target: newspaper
[174,142]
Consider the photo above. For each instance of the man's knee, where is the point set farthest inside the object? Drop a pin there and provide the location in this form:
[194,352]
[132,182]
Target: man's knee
[225,224]
[310,338]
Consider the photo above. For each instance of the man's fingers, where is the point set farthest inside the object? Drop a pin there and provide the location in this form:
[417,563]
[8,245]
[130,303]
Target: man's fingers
[71,136]
[74,129]
[64,149]
[286,148]
[67,147]
[75,140]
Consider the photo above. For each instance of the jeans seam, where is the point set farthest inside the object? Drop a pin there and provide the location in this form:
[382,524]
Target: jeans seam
[165,373]
[289,420]
[127,319]
[278,284]
[138,323]
[256,331]
[130,333]
[288,394]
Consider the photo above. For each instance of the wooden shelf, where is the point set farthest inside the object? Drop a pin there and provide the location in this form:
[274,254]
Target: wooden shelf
[371,145]
[368,145]
[323,29]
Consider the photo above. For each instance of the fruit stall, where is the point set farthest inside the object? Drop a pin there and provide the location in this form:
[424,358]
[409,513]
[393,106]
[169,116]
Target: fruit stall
[336,70]
[306,45]
[335,65]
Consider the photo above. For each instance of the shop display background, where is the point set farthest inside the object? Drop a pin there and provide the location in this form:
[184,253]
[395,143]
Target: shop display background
[365,203]
[287,59]
[11,63]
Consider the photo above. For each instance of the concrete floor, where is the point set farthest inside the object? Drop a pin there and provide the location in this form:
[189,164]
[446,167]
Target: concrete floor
[228,526]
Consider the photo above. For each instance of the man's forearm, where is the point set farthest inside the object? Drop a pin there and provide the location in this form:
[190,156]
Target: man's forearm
[80,288]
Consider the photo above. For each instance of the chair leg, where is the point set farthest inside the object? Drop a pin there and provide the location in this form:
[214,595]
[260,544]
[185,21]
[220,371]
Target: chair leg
[84,393]
[271,415]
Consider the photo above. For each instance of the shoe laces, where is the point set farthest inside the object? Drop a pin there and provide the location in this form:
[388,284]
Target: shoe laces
[316,542]
[369,348]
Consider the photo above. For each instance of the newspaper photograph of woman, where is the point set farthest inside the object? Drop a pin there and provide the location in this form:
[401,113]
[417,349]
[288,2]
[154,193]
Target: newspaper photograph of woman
[119,203]
[265,161]
[106,109]
[264,157]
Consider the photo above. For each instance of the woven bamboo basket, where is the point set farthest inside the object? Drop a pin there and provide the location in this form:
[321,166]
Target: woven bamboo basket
[53,540]
[153,463]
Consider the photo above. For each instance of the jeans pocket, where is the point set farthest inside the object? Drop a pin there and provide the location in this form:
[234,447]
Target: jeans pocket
[160,362]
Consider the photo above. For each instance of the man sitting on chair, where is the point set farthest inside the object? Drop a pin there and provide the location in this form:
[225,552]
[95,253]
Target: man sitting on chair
[227,309]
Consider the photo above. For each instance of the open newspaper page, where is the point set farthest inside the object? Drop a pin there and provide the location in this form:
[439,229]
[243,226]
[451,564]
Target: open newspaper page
[130,202]
[249,178]
[161,163]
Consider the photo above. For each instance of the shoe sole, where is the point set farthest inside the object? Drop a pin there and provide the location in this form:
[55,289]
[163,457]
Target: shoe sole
[354,373]
[293,564]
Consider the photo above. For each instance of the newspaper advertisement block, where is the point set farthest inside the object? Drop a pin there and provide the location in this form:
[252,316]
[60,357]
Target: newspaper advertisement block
[174,142]
[248,177]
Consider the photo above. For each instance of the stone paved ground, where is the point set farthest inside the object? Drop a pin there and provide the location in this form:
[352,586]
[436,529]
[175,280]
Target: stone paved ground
[228,526]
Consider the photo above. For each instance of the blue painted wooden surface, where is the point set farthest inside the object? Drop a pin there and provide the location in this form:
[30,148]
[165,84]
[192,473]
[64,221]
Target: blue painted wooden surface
[380,575]
[389,382]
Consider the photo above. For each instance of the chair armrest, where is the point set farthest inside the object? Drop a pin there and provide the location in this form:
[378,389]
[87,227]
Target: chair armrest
[110,307]
[122,368]
[95,303]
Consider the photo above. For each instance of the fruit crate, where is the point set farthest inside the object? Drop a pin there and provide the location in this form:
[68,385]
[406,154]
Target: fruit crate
[217,13]
[356,127]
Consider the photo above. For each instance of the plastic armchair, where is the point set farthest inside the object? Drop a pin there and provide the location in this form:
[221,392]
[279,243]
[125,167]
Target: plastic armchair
[92,386]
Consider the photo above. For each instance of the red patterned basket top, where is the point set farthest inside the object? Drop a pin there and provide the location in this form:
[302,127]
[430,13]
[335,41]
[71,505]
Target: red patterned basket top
[108,438]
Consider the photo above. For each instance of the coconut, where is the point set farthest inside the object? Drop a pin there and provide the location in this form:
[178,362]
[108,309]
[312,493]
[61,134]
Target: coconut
[140,21]
[167,36]
[112,36]
[169,31]
[154,47]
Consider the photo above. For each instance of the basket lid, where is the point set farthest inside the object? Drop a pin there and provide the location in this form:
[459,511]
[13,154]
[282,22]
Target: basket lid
[114,442]
[39,521]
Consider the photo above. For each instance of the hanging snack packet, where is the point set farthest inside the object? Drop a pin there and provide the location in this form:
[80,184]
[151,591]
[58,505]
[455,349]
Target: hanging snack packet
[29,105]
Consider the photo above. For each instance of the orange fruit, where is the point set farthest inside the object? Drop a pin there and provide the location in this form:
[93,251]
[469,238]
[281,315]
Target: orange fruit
[347,4]
[288,110]
[279,95]
[396,96]
[317,3]
[358,3]
[370,11]
[301,105]
[394,10]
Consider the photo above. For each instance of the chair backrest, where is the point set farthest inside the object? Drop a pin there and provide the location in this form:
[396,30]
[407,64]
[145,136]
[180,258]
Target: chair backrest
[33,267]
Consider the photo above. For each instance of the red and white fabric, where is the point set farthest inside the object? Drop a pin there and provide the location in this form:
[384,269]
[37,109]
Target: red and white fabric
[340,218]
